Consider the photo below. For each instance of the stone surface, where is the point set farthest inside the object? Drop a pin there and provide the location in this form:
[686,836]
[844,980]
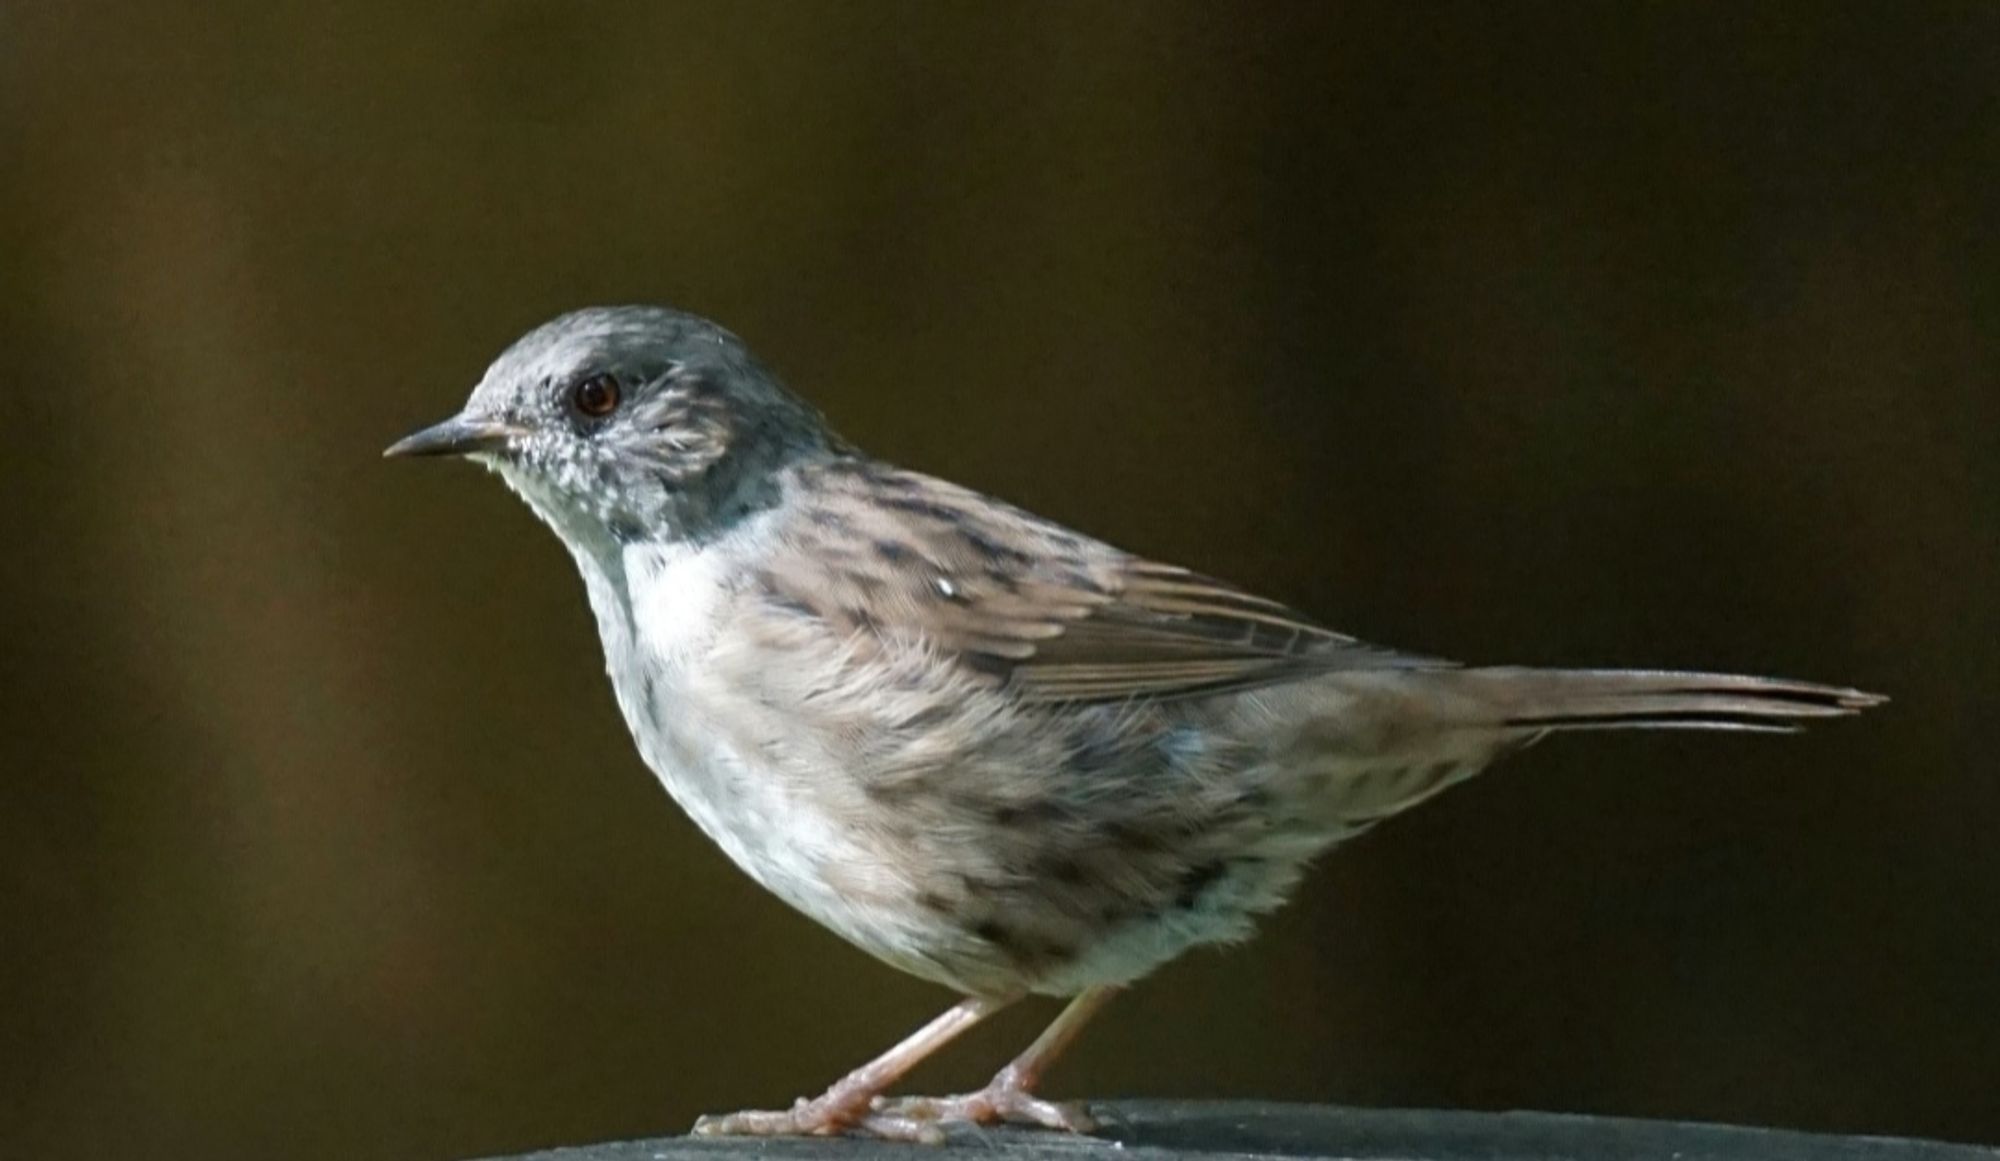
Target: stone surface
[1164,1130]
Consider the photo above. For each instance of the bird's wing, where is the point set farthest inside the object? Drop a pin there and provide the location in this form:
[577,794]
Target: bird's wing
[1020,601]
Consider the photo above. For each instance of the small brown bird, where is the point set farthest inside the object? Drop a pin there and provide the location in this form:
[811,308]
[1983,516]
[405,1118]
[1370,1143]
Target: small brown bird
[991,751]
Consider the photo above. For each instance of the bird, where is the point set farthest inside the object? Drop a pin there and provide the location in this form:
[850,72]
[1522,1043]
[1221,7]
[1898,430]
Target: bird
[994,752]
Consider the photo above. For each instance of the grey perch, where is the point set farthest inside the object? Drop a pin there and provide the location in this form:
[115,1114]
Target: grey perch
[1184,1131]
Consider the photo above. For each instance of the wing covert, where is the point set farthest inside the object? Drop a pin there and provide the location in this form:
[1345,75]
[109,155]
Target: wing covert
[1051,614]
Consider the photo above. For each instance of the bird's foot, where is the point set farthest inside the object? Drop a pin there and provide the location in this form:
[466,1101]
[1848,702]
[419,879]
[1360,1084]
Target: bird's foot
[825,1116]
[917,1119]
[920,1118]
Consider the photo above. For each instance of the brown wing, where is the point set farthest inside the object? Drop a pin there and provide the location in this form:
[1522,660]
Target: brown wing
[1169,632]
[1055,615]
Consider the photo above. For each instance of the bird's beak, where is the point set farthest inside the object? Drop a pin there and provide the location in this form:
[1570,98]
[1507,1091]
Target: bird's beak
[456,436]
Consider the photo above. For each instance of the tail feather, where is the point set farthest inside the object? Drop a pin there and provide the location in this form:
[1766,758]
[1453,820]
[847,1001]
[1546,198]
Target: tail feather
[1434,728]
[1586,699]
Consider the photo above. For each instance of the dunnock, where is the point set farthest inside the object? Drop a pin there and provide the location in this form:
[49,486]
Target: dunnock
[991,751]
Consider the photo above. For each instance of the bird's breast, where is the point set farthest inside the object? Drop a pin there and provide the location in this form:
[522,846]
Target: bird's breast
[700,732]
[713,704]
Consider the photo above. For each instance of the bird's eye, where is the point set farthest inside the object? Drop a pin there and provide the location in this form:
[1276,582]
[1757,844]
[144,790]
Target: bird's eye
[596,396]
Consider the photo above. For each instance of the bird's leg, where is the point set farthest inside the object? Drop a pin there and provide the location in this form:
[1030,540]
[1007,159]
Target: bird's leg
[1009,1097]
[846,1105]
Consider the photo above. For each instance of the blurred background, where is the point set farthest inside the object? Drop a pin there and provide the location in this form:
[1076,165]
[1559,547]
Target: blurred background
[1646,336]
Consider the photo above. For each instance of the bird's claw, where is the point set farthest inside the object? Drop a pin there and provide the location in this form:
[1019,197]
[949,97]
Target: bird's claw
[993,1105]
[806,1118]
[917,1119]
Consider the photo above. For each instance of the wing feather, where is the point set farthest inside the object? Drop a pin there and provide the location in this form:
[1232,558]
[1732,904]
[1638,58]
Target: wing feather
[1052,614]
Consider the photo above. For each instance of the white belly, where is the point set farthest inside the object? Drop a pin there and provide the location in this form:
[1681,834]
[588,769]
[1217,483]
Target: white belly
[699,737]
[737,759]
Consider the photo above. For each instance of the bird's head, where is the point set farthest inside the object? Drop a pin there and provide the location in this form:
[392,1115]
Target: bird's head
[622,424]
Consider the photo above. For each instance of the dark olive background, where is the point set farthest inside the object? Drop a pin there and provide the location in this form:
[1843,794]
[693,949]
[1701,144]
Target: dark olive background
[1650,334]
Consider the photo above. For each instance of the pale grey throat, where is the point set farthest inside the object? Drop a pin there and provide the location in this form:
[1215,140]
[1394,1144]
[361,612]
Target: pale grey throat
[989,750]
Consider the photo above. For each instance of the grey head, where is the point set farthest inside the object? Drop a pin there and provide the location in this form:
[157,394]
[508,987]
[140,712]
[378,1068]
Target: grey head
[629,423]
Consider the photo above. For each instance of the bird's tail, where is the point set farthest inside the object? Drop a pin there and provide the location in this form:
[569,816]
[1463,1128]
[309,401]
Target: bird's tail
[1599,699]
[1432,729]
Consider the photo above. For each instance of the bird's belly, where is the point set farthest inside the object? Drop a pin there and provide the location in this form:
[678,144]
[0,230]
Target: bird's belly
[739,759]
[735,766]
[780,842]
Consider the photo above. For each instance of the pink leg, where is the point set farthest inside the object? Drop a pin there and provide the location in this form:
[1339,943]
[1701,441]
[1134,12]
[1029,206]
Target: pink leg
[846,1104]
[1009,1097]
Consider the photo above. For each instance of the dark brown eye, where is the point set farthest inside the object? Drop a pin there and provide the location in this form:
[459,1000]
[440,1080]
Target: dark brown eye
[597,396]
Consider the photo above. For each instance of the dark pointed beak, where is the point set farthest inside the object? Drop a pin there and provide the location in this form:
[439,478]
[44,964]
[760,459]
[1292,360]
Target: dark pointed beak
[456,436]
